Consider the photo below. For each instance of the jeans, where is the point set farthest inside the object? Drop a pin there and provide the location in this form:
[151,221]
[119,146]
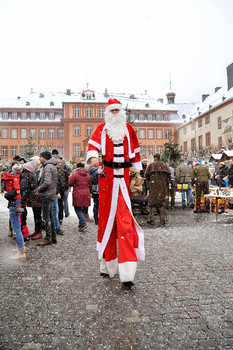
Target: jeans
[55,214]
[189,193]
[15,224]
[37,218]
[47,208]
[65,201]
[81,211]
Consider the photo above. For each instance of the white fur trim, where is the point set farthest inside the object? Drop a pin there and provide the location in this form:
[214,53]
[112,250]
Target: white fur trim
[112,267]
[114,106]
[140,251]
[95,144]
[103,141]
[131,155]
[137,150]
[127,271]
[136,166]
[112,214]
[103,267]
[91,154]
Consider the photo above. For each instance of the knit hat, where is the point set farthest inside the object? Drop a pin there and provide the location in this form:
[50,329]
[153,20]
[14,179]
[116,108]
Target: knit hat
[221,163]
[114,104]
[17,168]
[30,166]
[36,160]
[144,159]
[46,155]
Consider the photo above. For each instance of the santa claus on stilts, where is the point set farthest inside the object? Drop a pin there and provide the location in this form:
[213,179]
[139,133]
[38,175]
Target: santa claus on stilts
[117,228]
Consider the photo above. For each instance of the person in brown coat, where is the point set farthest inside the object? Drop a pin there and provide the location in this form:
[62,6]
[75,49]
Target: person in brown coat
[158,175]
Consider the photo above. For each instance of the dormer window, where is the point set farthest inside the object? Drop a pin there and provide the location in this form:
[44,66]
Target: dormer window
[27,103]
[88,95]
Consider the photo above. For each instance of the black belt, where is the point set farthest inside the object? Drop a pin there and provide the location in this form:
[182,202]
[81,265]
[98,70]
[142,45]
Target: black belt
[119,176]
[118,144]
[116,165]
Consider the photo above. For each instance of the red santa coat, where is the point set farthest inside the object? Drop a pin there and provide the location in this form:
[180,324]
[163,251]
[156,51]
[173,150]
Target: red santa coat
[110,185]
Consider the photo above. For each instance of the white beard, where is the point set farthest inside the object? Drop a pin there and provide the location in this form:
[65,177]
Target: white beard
[116,125]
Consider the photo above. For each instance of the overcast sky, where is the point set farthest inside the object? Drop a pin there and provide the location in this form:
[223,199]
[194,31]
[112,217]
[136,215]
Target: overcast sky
[122,45]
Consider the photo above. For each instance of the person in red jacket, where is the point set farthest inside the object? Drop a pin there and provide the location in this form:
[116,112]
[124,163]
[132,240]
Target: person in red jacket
[12,181]
[81,183]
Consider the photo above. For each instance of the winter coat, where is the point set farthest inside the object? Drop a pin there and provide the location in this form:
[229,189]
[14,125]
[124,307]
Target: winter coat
[200,174]
[63,174]
[158,175]
[34,199]
[12,181]
[48,181]
[183,174]
[81,183]
[223,171]
[94,179]
[230,175]
[28,183]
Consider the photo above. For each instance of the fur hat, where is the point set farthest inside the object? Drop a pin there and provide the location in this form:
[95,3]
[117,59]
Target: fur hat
[46,155]
[17,168]
[30,166]
[114,104]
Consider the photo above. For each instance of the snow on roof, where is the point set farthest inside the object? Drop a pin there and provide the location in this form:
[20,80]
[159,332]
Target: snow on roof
[229,153]
[212,101]
[217,156]
[56,99]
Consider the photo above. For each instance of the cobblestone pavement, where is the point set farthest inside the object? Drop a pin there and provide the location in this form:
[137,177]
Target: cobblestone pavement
[182,298]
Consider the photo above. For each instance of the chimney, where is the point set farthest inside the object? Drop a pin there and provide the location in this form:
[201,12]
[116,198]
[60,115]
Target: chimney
[106,93]
[230,76]
[18,98]
[160,100]
[217,88]
[204,97]
[68,92]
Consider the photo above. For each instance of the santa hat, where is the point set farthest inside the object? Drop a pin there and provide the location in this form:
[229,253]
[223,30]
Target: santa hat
[144,159]
[30,166]
[114,104]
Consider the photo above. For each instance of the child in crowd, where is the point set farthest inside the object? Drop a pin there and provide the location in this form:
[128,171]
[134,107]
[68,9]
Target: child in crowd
[12,181]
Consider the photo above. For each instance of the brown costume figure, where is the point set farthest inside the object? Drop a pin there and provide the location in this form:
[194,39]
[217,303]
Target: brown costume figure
[158,175]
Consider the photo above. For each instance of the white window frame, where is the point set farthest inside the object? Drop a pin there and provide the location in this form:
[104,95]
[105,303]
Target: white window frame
[142,133]
[32,133]
[23,116]
[60,134]
[61,151]
[151,150]
[159,134]
[5,132]
[76,112]
[5,116]
[89,111]
[168,133]
[51,134]
[14,151]
[150,133]
[42,133]
[76,149]
[14,133]
[159,149]
[51,116]
[101,112]
[23,133]
[4,151]
[42,116]
[33,116]
[89,131]
[149,117]
[141,116]
[76,130]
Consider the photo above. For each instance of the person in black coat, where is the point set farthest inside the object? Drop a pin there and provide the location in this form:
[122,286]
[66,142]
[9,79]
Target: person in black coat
[94,174]
[223,172]
[230,173]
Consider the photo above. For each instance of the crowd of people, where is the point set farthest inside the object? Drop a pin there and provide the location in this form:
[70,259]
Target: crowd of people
[116,183]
